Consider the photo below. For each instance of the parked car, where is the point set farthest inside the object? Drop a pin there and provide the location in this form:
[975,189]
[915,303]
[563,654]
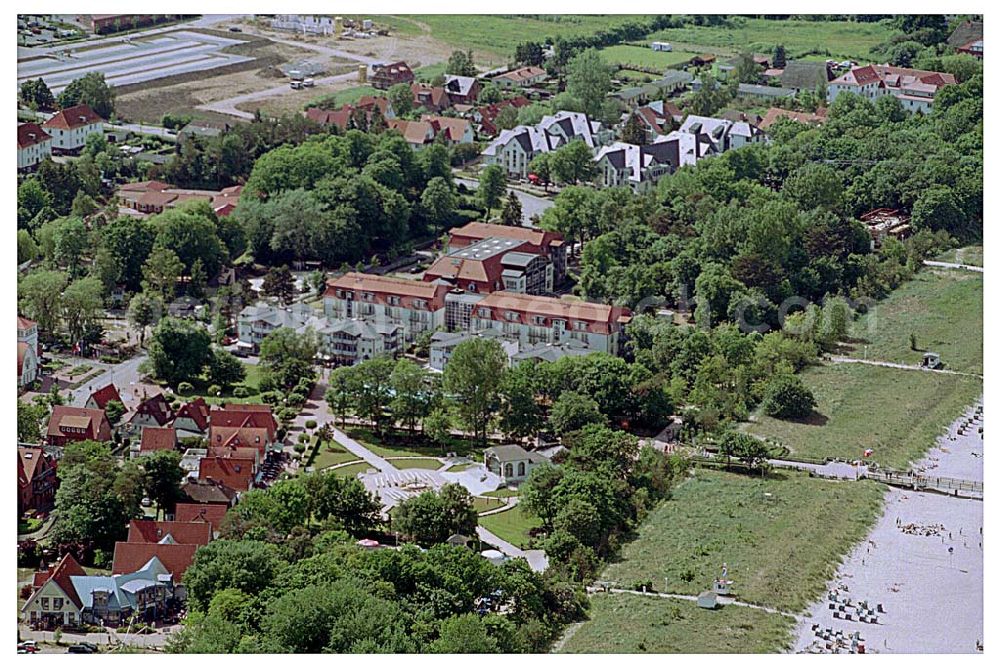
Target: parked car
[27,647]
[82,648]
[235,28]
[146,502]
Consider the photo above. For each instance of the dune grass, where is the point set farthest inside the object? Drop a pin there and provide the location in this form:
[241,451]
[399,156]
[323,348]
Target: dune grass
[782,536]
[625,623]
[942,308]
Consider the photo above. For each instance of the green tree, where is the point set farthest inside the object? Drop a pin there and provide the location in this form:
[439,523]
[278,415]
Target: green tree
[506,118]
[27,249]
[162,476]
[224,369]
[492,183]
[81,305]
[787,397]
[179,350]
[279,283]
[286,357]
[520,414]
[460,63]
[401,98]
[438,200]
[541,166]
[464,634]
[36,95]
[588,79]
[510,214]
[437,427]
[128,242]
[572,411]
[247,566]
[430,518]
[573,163]
[473,377]
[32,199]
[412,393]
[160,273]
[633,132]
[747,70]
[114,410]
[190,231]
[92,90]
[778,59]
[40,297]
[144,310]
[29,421]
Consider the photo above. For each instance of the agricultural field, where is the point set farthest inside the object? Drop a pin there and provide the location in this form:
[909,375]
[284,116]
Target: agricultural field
[838,39]
[512,526]
[896,413]
[623,54]
[942,308]
[625,623]
[493,38]
[782,536]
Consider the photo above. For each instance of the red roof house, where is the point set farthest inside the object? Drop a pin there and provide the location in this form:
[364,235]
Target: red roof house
[131,556]
[75,424]
[100,398]
[156,531]
[235,474]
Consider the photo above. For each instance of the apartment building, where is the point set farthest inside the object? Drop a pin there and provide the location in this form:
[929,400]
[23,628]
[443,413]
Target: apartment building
[416,306]
[493,264]
[538,241]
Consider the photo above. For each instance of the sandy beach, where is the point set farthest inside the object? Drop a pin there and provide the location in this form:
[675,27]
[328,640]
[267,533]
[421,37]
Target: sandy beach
[922,562]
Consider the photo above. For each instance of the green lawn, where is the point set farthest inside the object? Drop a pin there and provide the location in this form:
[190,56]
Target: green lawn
[250,382]
[841,38]
[29,525]
[416,463]
[461,468]
[897,413]
[625,623]
[781,548]
[972,255]
[623,54]
[351,471]
[501,492]
[943,308]
[398,444]
[512,526]
[482,504]
[332,454]
[493,38]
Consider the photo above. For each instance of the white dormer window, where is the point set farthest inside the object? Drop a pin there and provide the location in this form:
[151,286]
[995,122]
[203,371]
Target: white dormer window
[539,321]
[368,296]
[580,325]
[394,300]
[511,316]
[483,312]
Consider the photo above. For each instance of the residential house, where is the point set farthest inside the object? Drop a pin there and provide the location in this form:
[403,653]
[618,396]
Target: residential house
[384,77]
[174,557]
[152,197]
[351,341]
[550,352]
[639,167]
[523,77]
[702,60]
[511,462]
[461,89]
[914,88]
[342,117]
[153,411]
[27,332]
[243,425]
[65,596]
[672,82]
[416,306]
[169,531]
[774,113]
[493,264]
[485,116]
[515,148]
[430,98]
[36,479]
[100,398]
[256,322]
[192,419]
[70,128]
[154,439]
[539,241]
[237,475]
[883,223]
[417,133]
[657,118]
[973,48]
[75,424]
[799,75]
[755,91]
[33,145]
[456,130]
[212,514]
[533,319]
[206,493]
[724,134]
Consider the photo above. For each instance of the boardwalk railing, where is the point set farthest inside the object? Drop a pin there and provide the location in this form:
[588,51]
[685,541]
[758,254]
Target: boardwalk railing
[921,482]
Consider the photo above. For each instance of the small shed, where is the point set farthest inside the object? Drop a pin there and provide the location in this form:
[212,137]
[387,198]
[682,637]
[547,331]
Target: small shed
[708,600]
[932,360]
[458,540]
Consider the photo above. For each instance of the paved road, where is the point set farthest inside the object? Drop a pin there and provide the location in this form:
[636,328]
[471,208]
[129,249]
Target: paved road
[123,375]
[530,204]
[945,264]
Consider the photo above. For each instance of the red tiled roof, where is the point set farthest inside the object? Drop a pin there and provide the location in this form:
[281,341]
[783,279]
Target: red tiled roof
[203,492]
[482,230]
[30,134]
[235,452]
[197,411]
[29,459]
[144,186]
[130,557]
[156,407]
[414,131]
[523,74]
[381,287]
[600,317]
[104,395]
[78,417]
[183,532]
[80,115]
[158,439]
[212,514]
[60,574]
[235,474]
[455,127]
[774,113]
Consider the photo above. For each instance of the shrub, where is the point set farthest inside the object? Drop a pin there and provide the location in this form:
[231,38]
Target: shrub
[175,405]
[271,397]
[311,424]
[300,448]
[241,392]
[786,396]
[214,389]
[295,398]
[185,388]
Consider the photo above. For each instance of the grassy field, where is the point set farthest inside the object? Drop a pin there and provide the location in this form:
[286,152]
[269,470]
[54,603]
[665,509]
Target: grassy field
[841,38]
[512,526]
[972,255]
[396,445]
[781,548]
[623,54]
[493,38]
[943,308]
[332,454]
[897,413]
[625,623]
[416,463]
